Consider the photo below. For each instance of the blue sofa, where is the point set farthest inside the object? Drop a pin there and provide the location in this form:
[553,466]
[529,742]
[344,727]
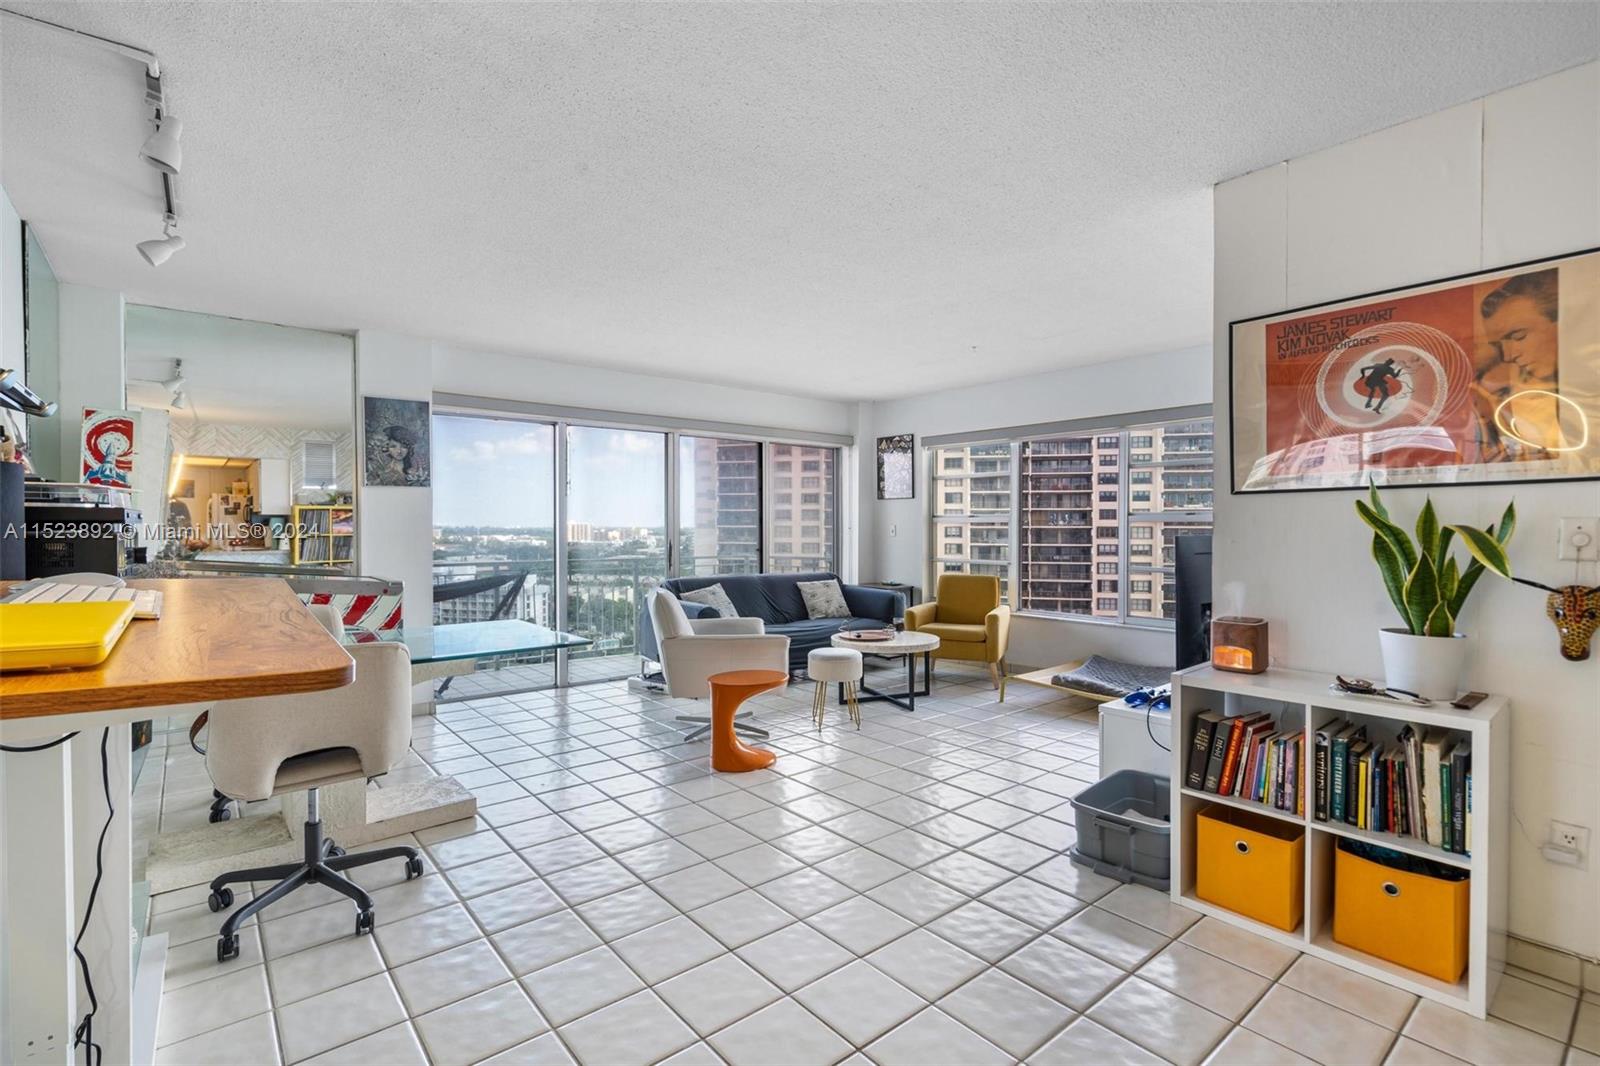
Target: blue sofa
[776,600]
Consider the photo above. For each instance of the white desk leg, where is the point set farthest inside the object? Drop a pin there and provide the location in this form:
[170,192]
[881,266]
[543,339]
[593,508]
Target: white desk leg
[37,849]
[107,941]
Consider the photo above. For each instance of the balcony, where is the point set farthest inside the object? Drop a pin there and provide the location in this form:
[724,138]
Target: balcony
[605,596]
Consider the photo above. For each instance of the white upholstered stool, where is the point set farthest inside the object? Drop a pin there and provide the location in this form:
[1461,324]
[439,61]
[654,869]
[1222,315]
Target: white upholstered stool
[830,665]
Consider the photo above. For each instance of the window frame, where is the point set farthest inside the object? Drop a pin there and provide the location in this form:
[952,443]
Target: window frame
[1149,566]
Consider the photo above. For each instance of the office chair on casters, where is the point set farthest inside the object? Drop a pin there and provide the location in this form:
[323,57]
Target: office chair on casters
[221,804]
[272,745]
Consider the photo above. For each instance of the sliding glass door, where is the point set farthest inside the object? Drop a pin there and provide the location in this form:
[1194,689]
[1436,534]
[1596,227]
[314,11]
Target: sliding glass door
[570,525]
[616,542]
[719,506]
[494,536]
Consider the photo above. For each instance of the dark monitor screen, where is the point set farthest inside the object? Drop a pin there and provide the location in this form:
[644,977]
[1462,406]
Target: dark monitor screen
[1192,626]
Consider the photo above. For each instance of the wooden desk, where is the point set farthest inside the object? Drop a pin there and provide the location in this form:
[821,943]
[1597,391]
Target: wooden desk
[217,638]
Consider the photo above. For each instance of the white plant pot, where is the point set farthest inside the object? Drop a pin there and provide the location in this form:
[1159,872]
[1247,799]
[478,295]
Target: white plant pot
[1429,666]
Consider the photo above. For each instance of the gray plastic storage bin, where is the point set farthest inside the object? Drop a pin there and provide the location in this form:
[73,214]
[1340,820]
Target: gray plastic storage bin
[1124,829]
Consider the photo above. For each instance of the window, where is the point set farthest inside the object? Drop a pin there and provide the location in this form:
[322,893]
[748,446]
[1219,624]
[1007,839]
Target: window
[973,510]
[719,506]
[818,501]
[1047,517]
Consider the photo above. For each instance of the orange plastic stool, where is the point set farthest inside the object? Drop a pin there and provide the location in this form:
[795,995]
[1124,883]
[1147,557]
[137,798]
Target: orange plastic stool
[729,754]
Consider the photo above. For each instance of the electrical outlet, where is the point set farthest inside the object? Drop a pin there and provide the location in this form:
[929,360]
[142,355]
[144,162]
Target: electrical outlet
[1579,539]
[1569,842]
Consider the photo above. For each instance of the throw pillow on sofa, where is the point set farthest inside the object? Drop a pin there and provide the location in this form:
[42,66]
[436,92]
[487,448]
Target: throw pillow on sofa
[715,597]
[824,599]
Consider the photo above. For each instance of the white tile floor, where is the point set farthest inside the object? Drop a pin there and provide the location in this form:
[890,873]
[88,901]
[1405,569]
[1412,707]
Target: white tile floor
[893,895]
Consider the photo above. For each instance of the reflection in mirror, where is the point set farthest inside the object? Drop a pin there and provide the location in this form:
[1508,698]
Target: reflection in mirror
[41,301]
[247,435]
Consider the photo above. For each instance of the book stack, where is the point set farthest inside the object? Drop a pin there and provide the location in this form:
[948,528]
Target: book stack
[1249,757]
[1418,786]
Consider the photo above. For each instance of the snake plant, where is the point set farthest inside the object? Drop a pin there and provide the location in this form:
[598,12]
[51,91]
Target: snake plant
[1424,580]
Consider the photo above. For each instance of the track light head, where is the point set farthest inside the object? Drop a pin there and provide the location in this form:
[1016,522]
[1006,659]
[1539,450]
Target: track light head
[158,251]
[161,149]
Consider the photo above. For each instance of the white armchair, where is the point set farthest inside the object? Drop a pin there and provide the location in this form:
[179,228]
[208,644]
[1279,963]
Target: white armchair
[692,649]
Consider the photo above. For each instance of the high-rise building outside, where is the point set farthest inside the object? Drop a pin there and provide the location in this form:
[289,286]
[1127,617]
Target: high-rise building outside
[725,537]
[1084,544]
[801,498]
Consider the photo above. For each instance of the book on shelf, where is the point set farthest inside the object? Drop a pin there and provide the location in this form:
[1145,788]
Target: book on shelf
[1319,775]
[1339,769]
[1200,748]
[1219,751]
[1432,797]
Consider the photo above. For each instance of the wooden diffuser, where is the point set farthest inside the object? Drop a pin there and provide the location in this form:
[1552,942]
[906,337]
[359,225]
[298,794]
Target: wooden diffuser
[1239,644]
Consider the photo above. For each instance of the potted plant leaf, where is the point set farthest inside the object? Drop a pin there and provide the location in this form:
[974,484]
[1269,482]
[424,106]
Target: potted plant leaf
[1429,588]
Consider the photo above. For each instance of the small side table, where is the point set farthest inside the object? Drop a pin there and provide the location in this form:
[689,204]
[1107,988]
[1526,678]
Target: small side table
[729,754]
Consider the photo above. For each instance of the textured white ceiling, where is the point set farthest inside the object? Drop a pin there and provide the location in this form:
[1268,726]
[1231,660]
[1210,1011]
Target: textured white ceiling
[847,200]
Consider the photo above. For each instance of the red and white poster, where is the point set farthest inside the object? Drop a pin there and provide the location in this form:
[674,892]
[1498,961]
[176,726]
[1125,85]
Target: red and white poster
[1494,377]
[108,442]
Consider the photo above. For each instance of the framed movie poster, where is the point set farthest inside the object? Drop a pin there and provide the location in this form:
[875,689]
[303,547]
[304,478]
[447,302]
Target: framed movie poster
[1485,377]
[896,479]
[397,442]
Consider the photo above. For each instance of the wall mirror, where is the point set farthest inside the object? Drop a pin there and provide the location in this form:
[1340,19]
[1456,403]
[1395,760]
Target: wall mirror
[247,437]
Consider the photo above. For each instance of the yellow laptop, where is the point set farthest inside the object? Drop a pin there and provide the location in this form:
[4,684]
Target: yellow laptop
[45,636]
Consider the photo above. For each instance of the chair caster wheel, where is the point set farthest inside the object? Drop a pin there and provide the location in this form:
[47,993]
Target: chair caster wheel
[335,851]
[365,920]
[221,814]
[220,899]
[227,948]
[413,867]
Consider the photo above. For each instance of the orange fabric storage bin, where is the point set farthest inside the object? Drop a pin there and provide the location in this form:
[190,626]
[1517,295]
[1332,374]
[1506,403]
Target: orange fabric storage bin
[1251,864]
[1417,921]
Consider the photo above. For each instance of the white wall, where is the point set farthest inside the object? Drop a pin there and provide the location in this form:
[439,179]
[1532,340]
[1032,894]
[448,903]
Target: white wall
[894,533]
[1512,177]
[394,525]
[515,377]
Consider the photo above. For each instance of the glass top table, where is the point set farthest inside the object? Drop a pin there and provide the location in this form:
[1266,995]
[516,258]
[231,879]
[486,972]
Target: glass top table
[459,641]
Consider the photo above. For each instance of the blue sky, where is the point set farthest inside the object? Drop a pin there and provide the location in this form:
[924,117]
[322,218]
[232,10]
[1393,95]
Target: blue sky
[501,473]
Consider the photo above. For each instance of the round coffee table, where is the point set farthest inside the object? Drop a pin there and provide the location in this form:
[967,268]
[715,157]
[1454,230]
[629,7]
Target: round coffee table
[907,645]
[729,689]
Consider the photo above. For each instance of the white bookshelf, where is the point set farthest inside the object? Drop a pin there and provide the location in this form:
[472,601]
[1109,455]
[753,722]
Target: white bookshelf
[1303,700]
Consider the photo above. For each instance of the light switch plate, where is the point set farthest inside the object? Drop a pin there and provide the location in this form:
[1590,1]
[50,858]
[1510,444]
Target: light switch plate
[1579,539]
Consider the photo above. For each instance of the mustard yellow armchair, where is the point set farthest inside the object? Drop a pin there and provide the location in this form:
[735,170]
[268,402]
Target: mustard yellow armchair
[968,618]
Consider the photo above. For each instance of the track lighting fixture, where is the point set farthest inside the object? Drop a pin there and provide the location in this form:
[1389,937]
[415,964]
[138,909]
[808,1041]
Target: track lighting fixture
[161,149]
[159,250]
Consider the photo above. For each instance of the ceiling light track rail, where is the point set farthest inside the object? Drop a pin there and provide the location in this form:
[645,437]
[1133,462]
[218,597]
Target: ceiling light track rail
[161,149]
